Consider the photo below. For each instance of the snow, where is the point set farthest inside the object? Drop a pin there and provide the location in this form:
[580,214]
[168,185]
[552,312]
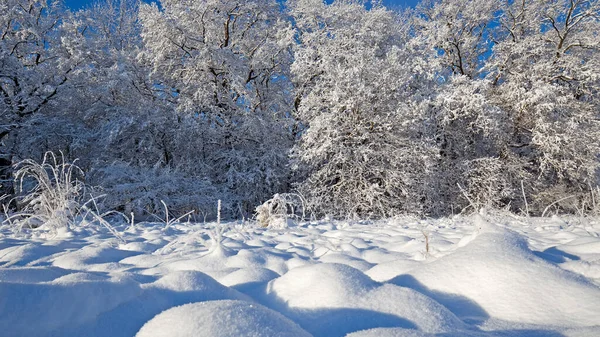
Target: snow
[496,275]
[484,275]
[221,319]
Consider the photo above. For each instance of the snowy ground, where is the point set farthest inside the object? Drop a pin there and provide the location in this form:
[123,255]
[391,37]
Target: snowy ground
[482,276]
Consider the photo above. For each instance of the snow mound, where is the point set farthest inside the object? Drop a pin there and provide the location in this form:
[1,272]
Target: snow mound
[248,275]
[33,309]
[399,332]
[425,313]
[259,258]
[221,319]
[389,332]
[31,274]
[321,286]
[26,254]
[188,280]
[193,286]
[333,300]
[388,270]
[342,258]
[171,290]
[332,279]
[86,256]
[496,275]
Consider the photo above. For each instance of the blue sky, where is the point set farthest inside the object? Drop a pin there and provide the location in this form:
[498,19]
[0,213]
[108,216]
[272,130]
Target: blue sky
[76,4]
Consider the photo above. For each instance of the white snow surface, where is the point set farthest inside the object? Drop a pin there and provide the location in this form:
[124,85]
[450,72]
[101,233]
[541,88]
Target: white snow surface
[484,275]
[221,319]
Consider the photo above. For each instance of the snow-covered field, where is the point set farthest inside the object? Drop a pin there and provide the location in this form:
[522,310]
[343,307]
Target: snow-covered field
[483,275]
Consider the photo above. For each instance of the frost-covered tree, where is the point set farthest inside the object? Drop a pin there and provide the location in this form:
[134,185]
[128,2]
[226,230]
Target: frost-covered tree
[515,115]
[135,146]
[37,66]
[545,71]
[34,64]
[361,154]
[226,64]
[457,104]
[466,126]
[112,118]
[459,32]
[100,93]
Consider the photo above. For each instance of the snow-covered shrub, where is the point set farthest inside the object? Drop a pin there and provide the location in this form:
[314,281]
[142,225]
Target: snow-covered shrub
[487,183]
[53,198]
[141,190]
[276,211]
[467,130]
[51,193]
[377,180]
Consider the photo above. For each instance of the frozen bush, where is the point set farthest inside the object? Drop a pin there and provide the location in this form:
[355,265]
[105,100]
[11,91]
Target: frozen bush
[142,190]
[276,211]
[50,193]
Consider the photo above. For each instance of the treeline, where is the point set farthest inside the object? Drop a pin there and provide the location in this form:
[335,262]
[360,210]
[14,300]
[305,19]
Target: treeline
[363,111]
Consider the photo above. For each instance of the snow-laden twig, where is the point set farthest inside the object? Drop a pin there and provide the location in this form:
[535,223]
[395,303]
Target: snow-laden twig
[471,203]
[556,202]
[525,199]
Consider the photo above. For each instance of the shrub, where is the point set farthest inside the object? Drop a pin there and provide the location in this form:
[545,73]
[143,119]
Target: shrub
[50,193]
[143,190]
[52,196]
[276,211]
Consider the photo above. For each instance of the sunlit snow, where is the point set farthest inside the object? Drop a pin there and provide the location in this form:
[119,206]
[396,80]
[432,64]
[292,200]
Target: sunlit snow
[483,275]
